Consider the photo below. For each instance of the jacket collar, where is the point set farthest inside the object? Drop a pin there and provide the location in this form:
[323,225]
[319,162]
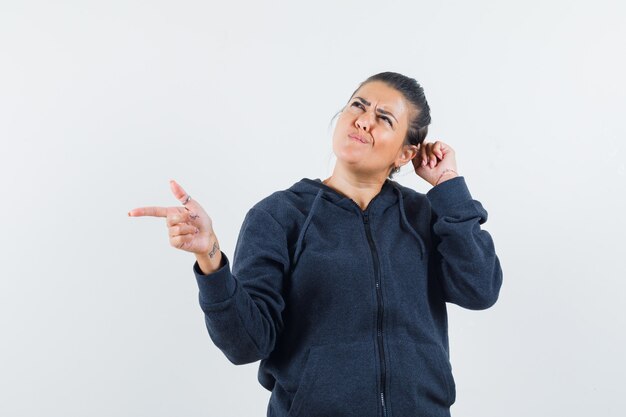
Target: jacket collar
[391,194]
[385,198]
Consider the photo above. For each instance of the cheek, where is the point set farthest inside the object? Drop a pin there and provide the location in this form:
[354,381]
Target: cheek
[386,141]
[337,132]
[342,127]
[386,147]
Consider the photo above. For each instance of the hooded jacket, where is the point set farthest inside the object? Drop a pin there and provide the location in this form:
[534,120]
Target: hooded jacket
[346,308]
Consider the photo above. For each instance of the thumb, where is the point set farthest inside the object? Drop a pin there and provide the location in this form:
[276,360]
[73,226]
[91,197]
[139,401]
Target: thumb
[180,194]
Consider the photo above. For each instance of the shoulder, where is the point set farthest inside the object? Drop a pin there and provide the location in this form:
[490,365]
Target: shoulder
[410,196]
[278,203]
[406,191]
[285,207]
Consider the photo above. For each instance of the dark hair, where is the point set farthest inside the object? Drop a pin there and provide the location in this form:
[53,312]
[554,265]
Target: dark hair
[414,94]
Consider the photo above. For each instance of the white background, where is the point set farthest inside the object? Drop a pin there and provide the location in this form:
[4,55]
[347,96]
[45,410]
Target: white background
[101,103]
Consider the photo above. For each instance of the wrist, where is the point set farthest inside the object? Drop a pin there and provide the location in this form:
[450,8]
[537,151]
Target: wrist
[210,261]
[447,174]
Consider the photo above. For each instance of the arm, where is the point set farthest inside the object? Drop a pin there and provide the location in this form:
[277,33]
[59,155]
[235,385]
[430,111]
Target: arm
[242,308]
[465,259]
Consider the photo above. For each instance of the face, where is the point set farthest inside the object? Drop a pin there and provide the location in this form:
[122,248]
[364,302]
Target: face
[370,130]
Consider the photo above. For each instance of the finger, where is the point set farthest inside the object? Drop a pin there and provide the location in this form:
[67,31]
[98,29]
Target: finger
[432,156]
[180,242]
[423,150]
[427,153]
[183,229]
[179,192]
[181,216]
[148,211]
[417,151]
[438,149]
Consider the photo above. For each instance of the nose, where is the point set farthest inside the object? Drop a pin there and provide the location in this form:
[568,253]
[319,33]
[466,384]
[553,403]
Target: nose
[364,121]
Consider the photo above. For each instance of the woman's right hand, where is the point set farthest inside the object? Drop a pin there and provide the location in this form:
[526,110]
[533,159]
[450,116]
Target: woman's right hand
[190,228]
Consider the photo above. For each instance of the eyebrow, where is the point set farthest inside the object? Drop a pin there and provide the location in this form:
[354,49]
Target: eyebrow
[367,103]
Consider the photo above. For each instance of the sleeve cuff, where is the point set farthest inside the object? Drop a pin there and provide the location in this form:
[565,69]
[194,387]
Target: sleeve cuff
[216,286]
[448,194]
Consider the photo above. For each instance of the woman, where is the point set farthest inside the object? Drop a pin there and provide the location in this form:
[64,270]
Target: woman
[340,286]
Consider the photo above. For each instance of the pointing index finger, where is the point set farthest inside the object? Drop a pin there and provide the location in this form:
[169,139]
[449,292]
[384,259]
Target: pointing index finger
[148,211]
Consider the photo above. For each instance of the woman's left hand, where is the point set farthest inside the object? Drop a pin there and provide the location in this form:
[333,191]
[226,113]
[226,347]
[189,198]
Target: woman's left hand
[432,159]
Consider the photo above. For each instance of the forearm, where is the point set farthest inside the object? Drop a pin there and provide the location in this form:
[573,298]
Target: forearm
[471,275]
[242,319]
[470,270]
[243,306]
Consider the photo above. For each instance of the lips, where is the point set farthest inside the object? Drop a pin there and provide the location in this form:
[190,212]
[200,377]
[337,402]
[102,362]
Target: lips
[357,137]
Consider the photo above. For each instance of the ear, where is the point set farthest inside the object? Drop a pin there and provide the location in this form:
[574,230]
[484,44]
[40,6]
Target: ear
[407,153]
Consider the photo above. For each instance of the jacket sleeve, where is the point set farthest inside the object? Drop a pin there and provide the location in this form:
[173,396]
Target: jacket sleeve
[465,259]
[242,308]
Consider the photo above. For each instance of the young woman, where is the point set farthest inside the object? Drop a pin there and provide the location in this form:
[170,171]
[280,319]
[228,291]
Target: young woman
[339,287]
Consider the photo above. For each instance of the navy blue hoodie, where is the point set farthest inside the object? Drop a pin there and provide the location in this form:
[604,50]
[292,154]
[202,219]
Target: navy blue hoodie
[346,308]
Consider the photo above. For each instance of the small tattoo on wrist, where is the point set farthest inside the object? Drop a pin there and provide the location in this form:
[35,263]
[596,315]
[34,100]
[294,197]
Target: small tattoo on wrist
[214,250]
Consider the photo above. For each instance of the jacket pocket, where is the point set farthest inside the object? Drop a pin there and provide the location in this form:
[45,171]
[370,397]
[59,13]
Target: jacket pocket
[338,380]
[421,379]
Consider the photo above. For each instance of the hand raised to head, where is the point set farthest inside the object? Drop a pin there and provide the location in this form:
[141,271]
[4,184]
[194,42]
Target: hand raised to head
[189,227]
[433,160]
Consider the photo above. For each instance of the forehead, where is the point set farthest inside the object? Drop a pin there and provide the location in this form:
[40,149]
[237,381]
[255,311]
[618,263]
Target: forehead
[382,95]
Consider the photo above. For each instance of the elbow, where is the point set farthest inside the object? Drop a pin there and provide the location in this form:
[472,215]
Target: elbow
[242,359]
[244,356]
[481,294]
[481,303]
[240,343]
[245,353]
[488,296]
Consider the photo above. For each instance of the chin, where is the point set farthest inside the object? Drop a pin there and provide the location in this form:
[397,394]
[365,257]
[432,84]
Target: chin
[349,154]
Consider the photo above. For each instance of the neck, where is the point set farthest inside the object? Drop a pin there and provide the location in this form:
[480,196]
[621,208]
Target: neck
[360,188]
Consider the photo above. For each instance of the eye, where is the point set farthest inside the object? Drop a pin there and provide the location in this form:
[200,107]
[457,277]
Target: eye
[359,105]
[387,119]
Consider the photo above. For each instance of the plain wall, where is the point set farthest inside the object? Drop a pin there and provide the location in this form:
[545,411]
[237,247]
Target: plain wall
[102,103]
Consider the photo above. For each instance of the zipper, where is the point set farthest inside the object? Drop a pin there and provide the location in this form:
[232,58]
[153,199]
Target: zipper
[379,295]
[379,313]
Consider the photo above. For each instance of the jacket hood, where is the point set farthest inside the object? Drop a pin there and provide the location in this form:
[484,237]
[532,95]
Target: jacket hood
[391,194]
